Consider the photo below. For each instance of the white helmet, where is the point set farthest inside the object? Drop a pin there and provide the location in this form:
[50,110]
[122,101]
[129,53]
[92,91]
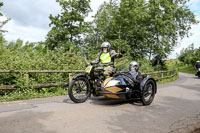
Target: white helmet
[134,63]
[105,45]
[197,61]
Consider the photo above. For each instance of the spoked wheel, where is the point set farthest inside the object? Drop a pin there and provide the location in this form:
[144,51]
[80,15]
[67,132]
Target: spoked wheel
[148,92]
[79,90]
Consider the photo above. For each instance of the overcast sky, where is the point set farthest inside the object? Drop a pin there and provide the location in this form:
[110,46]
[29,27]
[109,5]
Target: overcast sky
[30,22]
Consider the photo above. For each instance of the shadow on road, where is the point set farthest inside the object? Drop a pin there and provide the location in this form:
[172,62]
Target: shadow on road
[195,78]
[190,87]
[69,101]
[105,101]
[112,102]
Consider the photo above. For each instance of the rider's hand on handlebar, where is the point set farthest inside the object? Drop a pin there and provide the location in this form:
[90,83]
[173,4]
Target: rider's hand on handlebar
[93,63]
[87,65]
[123,51]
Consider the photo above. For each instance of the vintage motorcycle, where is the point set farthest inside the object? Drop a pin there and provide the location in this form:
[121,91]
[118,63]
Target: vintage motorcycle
[119,86]
[198,72]
[197,68]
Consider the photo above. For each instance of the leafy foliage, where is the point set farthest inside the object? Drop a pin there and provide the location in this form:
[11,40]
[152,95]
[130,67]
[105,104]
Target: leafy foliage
[189,55]
[180,66]
[146,28]
[2,23]
[15,56]
[68,26]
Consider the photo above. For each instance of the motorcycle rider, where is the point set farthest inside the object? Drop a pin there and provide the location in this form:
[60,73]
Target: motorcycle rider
[106,57]
[197,66]
[133,70]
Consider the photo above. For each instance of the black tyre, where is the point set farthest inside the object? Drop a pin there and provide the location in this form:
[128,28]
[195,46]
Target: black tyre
[148,92]
[79,90]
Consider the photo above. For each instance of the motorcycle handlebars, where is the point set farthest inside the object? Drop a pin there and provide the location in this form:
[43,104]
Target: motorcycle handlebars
[100,64]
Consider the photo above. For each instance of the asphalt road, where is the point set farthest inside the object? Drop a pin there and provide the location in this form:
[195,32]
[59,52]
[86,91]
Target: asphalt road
[176,108]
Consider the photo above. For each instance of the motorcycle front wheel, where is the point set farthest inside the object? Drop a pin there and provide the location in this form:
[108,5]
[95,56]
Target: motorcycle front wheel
[79,90]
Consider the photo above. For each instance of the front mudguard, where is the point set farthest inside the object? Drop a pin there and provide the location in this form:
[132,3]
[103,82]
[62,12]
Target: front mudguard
[79,75]
[142,84]
[85,75]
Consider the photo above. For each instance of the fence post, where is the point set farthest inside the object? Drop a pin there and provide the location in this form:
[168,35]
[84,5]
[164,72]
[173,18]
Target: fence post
[70,77]
[162,74]
[26,78]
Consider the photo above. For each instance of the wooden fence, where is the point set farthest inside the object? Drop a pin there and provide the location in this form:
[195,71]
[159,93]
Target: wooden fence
[163,75]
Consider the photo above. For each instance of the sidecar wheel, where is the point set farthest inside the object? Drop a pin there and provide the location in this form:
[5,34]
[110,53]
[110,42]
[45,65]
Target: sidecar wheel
[148,92]
[79,90]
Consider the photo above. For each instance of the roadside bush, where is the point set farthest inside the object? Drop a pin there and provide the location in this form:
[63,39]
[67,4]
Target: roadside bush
[28,58]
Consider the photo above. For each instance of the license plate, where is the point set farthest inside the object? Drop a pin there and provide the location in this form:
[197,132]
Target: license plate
[88,69]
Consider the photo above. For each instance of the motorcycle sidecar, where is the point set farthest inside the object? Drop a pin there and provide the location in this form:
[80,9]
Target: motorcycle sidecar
[123,86]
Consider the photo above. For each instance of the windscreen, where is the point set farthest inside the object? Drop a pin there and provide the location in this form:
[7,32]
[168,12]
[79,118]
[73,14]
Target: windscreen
[116,81]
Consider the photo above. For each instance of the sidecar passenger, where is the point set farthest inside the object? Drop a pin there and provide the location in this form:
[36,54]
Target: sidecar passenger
[133,70]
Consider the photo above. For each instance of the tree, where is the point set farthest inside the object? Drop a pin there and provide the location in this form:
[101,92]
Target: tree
[169,21]
[189,55]
[2,23]
[68,26]
[102,28]
[149,28]
[105,28]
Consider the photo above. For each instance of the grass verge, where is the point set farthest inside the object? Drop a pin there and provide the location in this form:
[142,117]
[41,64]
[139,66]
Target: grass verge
[31,94]
[175,63]
[187,69]
[169,79]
